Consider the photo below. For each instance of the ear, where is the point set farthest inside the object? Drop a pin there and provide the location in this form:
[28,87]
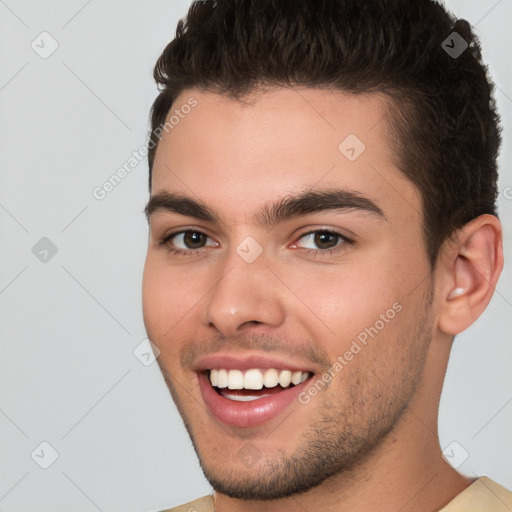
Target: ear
[469,268]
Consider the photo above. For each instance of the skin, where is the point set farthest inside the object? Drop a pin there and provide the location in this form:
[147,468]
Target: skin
[237,157]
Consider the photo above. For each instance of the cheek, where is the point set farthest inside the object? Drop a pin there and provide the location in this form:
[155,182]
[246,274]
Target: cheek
[170,297]
[160,297]
[344,301]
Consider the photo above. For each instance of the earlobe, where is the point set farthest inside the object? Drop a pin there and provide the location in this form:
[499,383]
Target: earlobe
[470,271]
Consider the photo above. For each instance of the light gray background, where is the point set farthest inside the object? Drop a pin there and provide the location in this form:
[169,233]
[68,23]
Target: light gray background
[69,326]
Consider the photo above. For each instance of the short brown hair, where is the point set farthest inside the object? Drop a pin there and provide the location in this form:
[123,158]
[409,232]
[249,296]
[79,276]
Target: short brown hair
[446,126]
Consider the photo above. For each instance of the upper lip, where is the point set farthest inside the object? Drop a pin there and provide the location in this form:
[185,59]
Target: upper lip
[248,361]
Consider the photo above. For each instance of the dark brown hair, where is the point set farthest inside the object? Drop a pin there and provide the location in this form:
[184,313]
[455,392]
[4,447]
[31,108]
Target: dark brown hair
[446,128]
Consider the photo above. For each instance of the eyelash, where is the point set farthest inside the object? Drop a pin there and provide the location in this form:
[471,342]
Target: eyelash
[308,252]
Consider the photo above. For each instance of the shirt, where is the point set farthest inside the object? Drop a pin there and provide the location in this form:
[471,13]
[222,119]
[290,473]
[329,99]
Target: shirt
[483,495]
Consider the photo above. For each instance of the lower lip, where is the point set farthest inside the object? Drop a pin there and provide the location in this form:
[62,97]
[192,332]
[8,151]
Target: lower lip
[247,414]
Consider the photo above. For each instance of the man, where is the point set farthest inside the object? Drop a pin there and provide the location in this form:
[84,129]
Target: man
[322,224]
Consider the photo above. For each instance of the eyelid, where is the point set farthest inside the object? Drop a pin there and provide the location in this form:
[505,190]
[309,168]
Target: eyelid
[344,238]
[330,231]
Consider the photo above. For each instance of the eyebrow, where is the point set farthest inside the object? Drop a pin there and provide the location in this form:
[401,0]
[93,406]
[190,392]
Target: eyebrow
[305,203]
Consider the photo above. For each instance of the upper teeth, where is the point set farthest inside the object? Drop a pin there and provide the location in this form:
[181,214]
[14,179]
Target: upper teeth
[255,378]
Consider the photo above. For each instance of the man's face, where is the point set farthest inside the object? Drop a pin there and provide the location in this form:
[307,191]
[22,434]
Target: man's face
[334,291]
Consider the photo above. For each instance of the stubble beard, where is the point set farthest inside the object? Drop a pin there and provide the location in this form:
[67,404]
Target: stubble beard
[348,426]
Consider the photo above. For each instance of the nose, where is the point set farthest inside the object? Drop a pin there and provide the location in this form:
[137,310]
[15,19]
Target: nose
[246,294]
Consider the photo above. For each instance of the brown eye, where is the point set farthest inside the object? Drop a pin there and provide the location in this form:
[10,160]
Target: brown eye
[187,241]
[194,239]
[325,240]
[322,240]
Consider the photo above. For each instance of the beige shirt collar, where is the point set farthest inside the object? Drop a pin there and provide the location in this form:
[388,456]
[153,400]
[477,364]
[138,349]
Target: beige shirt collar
[483,495]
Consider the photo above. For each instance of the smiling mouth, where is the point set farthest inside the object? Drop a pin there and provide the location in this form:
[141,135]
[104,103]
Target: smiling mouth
[255,383]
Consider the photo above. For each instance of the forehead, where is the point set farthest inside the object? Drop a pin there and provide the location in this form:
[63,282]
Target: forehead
[235,155]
